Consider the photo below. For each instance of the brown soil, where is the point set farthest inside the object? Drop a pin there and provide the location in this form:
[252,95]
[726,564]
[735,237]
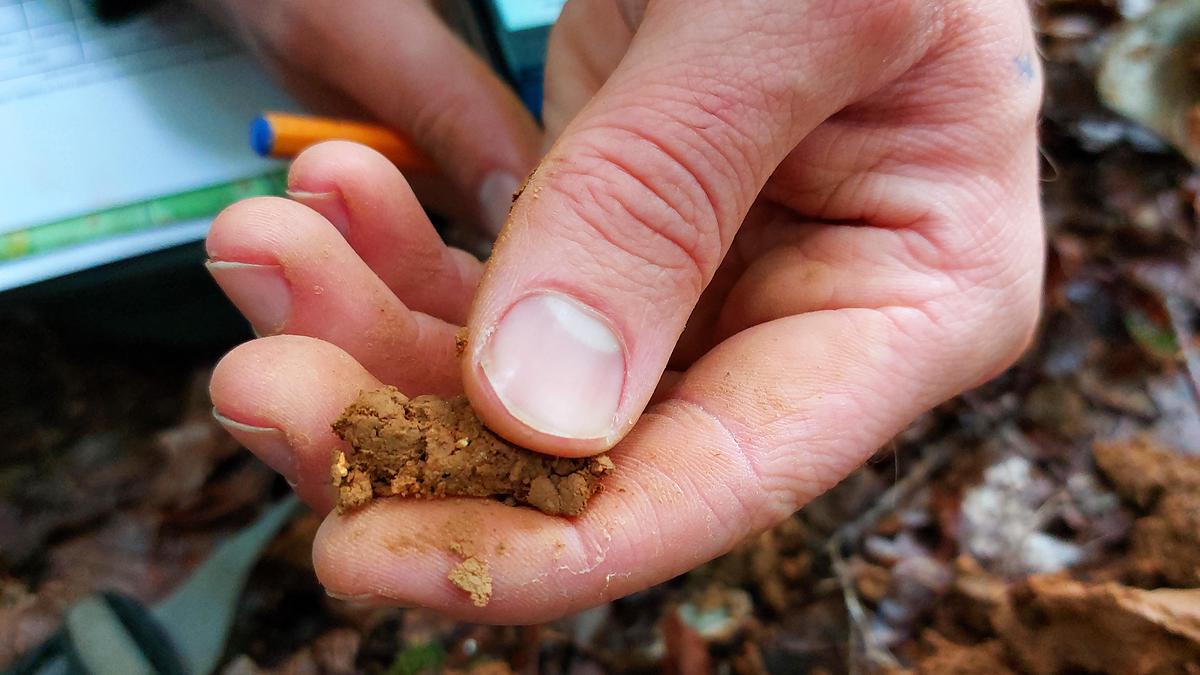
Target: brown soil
[1053,624]
[950,658]
[1142,471]
[432,447]
[472,575]
[460,342]
[1165,546]
[1057,625]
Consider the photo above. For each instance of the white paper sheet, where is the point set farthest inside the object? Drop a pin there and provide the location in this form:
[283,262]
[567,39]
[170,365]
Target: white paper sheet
[95,116]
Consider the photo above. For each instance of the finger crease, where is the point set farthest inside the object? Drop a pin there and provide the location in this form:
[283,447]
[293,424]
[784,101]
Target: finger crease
[736,450]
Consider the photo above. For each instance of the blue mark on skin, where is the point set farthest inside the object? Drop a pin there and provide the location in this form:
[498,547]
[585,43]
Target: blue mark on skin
[1024,64]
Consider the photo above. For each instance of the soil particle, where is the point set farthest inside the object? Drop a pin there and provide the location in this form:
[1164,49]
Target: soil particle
[354,489]
[472,575]
[516,194]
[1058,625]
[775,562]
[1142,471]
[1165,545]
[460,342]
[1053,624]
[950,658]
[432,447]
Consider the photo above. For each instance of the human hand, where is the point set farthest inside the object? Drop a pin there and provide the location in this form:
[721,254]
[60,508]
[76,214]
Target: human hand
[820,218]
[397,62]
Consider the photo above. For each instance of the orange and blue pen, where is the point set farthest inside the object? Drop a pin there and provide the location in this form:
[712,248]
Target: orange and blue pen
[285,135]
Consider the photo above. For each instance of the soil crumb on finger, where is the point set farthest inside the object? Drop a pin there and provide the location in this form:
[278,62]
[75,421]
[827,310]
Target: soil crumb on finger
[460,342]
[432,447]
[473,576]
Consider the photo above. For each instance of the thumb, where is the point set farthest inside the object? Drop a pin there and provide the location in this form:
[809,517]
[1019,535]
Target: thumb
[623,224]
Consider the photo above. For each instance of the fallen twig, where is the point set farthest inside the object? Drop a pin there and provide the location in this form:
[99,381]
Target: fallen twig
[862,644]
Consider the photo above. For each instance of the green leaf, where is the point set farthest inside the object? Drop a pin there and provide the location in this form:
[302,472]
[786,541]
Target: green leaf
[417,659]
[1156,340]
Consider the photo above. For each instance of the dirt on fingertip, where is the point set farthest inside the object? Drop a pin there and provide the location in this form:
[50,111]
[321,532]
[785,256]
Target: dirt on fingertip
[473,576]
[433,447]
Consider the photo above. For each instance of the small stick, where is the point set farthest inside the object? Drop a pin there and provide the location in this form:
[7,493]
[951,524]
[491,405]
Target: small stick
[861,642]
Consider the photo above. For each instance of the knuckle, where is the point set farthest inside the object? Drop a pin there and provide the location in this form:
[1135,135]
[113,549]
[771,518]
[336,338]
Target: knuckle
[868,20]
[629,217]
[984,40]
[618,222]
[876,39]
[652,208]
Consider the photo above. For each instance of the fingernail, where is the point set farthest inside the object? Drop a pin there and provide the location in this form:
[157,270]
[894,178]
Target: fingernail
[259,291]
[267,443]
[557,366]
[329,204]
[495,199]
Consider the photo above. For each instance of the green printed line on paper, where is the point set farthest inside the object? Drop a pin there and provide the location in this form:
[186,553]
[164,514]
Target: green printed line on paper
[137,217]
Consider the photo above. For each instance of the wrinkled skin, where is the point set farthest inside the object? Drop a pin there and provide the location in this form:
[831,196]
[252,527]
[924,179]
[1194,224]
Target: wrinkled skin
[805,222]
